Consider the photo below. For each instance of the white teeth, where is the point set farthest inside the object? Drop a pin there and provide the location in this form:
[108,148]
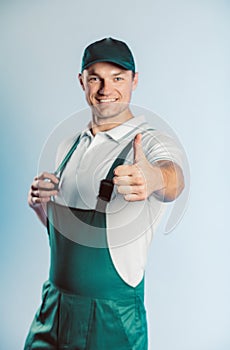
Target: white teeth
[109,100]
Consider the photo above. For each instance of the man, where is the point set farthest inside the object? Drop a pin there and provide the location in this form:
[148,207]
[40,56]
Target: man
[103,203]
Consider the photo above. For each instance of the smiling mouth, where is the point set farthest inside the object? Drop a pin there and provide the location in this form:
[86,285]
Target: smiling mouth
[106,100]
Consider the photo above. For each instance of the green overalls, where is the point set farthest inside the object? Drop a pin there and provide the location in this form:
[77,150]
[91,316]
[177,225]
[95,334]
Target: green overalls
[85,303]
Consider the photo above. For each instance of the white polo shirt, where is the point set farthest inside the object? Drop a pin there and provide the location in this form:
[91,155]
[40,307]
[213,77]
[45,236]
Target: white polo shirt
[130,225]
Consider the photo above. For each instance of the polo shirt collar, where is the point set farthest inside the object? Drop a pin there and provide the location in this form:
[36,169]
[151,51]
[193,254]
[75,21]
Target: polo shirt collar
[129,128]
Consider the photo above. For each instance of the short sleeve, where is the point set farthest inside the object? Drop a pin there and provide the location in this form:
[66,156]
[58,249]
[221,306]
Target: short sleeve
[161,146]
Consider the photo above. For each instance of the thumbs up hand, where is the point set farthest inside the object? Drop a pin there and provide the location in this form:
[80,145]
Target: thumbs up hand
[138,180]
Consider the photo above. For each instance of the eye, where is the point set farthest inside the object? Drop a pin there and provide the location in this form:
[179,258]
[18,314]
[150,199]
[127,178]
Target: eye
[118,79]
[93,79]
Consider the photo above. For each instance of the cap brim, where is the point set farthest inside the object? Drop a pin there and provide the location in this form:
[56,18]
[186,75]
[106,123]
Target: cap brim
[110,60]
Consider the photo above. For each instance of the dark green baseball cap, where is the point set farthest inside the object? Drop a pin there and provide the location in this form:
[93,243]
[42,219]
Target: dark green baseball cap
[108,50]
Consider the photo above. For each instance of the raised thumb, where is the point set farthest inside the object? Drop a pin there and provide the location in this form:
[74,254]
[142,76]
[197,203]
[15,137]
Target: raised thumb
[137,149]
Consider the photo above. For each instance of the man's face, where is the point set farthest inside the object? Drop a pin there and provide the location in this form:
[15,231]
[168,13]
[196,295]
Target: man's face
[108,89]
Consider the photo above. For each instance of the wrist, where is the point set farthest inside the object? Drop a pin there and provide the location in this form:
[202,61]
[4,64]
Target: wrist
[157,179]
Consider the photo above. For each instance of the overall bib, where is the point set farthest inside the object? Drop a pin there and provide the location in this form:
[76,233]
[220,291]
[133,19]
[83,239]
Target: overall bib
[86,305]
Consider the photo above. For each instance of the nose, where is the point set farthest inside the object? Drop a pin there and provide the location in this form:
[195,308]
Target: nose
[105,88]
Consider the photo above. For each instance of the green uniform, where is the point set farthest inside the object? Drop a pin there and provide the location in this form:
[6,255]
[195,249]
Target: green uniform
[85,303]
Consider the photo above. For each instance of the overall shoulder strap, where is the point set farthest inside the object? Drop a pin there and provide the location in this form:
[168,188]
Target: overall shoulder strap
[67,157]
[106,185]
[119,160]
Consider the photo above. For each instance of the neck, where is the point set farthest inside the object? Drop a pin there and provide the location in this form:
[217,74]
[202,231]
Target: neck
[104,124]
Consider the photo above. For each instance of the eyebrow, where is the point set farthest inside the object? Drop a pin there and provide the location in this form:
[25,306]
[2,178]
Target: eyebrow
[121,72]
[93,72]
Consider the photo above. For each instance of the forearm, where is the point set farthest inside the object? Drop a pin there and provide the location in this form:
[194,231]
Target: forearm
[41,214]
[169,180]
[39,209]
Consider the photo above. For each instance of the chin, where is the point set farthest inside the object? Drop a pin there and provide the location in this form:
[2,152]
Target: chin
[108,112]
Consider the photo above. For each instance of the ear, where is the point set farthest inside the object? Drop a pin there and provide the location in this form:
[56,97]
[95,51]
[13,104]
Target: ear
[135,81]
[80,78]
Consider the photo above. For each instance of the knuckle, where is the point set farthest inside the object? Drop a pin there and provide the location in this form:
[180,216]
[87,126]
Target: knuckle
[142,197]
[127,197]
[119,189]
[38,184]
[34,185]
[34,200]
[142,192]
[115,180]
[139,181]
[117,170]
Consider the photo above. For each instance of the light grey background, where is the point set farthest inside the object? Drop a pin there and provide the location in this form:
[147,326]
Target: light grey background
[182,54]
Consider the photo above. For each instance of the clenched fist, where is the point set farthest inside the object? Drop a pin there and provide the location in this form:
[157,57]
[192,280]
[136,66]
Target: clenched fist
[138,180]
[43,187]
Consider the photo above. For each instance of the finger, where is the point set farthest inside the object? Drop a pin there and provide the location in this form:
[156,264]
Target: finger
[37,200]
[124,170]
[137,149]
[43,194]
[42,184]
[122,180]
[124,189]
[138,190]
[47,176]
[133,197]
[136,179]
